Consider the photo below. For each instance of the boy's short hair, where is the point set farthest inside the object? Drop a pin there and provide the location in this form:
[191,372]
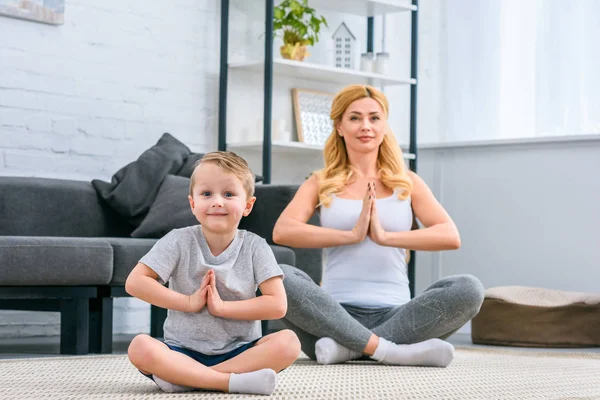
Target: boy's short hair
[229,162]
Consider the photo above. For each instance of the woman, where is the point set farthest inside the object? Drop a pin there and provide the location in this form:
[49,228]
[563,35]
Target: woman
[366,198]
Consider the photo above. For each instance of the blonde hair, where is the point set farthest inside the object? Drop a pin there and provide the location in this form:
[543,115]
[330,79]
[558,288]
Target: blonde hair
[231,163]
[338,171]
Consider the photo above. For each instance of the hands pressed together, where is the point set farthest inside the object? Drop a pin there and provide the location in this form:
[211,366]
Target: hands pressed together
[368,222]
[207,295]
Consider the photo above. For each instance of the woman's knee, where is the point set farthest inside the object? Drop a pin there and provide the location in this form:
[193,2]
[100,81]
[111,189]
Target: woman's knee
[294,277]
[471,292]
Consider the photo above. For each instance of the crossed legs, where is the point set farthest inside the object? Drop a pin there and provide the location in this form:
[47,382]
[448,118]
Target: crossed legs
[252,371]
[437,313]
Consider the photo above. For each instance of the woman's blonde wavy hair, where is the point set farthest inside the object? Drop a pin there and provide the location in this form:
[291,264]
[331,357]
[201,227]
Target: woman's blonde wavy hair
[338,172]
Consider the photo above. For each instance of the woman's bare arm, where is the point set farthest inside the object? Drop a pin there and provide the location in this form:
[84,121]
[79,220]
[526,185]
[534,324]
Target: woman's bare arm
[440,232]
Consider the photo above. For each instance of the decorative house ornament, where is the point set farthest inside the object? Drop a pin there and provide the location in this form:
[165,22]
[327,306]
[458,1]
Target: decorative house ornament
[344,47]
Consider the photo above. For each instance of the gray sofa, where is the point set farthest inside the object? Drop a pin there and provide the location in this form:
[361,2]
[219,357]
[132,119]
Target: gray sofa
[63,249]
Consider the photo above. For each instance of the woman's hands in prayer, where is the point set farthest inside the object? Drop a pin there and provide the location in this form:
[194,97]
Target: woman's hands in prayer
[368,222]
[376,232]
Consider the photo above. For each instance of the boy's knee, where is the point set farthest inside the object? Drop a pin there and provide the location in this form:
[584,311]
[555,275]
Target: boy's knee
[139,350]
[289,346]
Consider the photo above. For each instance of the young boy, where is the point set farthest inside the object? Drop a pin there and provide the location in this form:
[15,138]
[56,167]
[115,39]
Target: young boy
[212,336]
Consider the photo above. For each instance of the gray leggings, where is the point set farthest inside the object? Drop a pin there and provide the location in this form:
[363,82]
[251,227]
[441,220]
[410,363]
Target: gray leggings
[438,312]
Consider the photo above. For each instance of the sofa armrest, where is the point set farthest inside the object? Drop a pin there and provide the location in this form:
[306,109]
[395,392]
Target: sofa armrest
[284,255]
[271,200]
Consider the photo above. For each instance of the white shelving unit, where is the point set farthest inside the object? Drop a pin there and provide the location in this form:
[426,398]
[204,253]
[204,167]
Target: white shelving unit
[365,8]
[322,73]
[319,73]
[289,147]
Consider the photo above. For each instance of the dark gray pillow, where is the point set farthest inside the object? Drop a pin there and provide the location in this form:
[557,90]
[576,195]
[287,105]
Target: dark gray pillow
[170,210]
[190,162]
[134,187]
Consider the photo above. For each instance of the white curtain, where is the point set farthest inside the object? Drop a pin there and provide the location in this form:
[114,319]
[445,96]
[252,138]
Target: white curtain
[520,69]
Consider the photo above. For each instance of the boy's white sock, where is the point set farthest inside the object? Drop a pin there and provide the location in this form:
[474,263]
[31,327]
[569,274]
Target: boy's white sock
[170,387]
[429,353]
[329,351]
[255,382]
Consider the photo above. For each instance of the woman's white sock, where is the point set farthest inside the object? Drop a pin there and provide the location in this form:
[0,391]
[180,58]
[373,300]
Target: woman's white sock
[329,351]
[429,353]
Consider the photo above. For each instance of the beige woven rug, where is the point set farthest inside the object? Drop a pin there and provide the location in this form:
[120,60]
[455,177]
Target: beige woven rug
[474,374]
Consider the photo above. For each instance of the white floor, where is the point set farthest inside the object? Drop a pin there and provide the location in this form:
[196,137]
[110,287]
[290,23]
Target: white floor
[50,346]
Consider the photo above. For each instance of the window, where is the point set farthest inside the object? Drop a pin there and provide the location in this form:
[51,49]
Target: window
[516,69]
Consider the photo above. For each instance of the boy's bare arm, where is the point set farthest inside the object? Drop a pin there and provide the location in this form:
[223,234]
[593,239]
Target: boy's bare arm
[143,283]
[271,305]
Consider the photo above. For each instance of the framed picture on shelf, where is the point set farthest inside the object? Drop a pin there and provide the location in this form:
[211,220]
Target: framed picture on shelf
[311,111]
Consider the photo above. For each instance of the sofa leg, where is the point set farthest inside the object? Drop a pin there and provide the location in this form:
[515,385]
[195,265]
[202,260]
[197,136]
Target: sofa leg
[74,326]
[157,320]
[264,326]
[101,323]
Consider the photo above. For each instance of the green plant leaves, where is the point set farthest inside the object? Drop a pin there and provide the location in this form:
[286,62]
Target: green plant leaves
[297,22]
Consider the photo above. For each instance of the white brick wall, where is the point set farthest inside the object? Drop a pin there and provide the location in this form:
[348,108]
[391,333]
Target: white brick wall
[81,100]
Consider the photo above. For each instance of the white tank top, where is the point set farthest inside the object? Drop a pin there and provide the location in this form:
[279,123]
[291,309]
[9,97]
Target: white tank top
[367,274]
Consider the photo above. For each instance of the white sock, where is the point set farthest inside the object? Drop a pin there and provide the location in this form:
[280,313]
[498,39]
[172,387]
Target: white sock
[255,382]
[329,351]
[170,387]
[430,353]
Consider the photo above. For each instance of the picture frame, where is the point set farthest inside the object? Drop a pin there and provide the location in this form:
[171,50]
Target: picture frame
[312,115]
[45,11]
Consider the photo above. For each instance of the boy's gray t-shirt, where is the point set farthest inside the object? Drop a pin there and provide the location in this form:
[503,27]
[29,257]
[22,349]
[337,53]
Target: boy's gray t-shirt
[182,257]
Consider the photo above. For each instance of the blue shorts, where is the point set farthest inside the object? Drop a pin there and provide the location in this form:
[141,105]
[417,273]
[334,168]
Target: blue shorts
[207,360]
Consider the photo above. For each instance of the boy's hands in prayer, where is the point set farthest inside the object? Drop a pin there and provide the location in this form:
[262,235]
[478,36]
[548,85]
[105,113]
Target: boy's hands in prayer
[215,305]
[197,300]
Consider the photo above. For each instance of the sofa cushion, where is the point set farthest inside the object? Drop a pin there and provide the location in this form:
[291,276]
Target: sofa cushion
[189,164]
[170,210]
[47,261]
[56,207]
[133,188]
[127,253]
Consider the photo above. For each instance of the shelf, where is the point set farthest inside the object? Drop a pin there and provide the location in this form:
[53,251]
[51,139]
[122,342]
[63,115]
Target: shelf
[365,8]
[322,73]
[290,147]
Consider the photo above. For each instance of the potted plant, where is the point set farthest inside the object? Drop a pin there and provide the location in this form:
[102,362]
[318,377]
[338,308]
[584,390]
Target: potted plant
[299,25]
